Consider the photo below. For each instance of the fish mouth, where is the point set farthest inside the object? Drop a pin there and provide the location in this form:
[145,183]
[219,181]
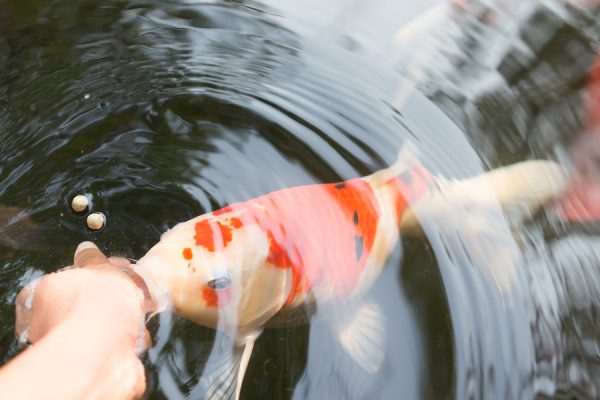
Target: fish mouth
[159,294]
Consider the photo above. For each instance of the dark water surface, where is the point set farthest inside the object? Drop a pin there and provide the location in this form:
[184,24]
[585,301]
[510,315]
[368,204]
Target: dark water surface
[162,111]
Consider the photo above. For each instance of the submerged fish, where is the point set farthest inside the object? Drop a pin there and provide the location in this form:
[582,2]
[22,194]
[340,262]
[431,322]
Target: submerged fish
[18,231]
[260,262]
[581,202]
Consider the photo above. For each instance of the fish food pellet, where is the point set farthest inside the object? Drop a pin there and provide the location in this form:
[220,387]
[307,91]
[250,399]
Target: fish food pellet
[79,203]
[95,221]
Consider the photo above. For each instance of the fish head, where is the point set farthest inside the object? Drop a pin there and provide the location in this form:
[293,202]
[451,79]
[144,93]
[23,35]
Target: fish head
[212,270]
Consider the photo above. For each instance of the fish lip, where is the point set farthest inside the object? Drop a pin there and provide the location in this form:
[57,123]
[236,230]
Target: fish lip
[161,296]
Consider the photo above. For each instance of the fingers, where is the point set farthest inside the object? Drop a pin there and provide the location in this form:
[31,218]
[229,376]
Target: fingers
[88,254]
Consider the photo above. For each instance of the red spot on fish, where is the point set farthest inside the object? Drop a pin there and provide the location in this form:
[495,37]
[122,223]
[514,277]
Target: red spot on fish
[187,253]
[216,297]
[210,297]
[235,222]
[212,235]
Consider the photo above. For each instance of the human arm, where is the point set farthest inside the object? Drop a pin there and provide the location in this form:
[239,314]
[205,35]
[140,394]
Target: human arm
[86,325]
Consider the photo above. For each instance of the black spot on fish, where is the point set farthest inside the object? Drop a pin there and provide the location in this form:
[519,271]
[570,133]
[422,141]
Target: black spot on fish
[407,177]
[355,218]
[340,185]
[358,246]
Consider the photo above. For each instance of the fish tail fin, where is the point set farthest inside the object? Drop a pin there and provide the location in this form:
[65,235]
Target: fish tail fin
[524,187]
[519,190]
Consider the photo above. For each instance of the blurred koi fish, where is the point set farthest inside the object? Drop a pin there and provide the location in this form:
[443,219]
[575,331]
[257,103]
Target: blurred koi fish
[264,261]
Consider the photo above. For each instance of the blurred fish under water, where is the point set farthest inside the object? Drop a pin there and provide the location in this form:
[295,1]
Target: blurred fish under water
[240,268]
[582,201]
[18,231]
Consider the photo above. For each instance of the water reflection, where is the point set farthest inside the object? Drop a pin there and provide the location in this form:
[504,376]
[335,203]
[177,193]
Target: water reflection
[163,111]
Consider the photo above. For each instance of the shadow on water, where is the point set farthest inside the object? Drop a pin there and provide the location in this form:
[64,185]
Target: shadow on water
[420,278]
[162,111]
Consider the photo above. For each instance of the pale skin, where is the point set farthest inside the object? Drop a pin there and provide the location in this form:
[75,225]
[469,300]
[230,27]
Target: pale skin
[86,325]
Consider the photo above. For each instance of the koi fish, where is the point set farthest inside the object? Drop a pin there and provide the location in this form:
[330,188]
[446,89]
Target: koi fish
[257,263]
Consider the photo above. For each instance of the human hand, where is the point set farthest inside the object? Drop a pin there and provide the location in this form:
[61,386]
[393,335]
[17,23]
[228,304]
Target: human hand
[96,300]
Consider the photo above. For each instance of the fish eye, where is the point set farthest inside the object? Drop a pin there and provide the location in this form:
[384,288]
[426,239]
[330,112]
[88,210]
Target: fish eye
[219,283]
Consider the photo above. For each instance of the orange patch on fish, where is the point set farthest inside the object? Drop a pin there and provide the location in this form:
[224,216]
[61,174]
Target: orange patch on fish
[187,253]
[235,223]
[215,298]
[212,235]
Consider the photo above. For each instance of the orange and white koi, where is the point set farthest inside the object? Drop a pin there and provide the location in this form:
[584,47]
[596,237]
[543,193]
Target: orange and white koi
[251,263]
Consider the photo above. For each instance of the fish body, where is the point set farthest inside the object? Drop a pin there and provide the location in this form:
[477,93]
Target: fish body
[251,264]
[250,260]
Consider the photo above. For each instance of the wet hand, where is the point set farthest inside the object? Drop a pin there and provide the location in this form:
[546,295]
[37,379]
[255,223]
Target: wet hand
[97,299]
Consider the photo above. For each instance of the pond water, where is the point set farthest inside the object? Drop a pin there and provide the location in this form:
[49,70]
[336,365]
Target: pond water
[161,111]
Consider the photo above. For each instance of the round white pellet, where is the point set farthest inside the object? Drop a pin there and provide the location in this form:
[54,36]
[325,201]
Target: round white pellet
[95,221]
[79,203]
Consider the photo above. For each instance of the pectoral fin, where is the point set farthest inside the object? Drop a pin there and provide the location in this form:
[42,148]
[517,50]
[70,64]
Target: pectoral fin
[224,372]
[363,336]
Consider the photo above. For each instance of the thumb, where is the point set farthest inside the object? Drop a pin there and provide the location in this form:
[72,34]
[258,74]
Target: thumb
[87,253]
